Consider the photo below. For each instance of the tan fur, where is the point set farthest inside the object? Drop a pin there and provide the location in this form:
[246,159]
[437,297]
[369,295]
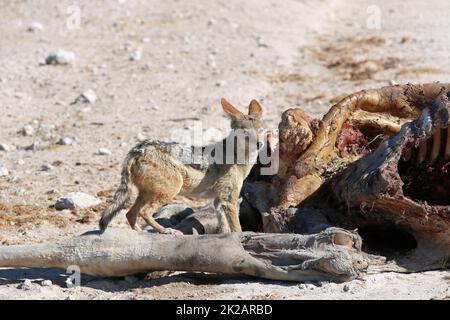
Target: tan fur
[159,176]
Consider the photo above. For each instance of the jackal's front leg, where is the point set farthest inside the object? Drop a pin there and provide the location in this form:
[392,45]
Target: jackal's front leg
[228,216]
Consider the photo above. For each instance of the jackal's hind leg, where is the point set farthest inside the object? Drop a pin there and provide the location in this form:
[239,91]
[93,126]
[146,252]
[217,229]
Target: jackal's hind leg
[133,213]
[149,210]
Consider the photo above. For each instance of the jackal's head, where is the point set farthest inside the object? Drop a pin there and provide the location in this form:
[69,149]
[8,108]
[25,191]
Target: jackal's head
[250,122]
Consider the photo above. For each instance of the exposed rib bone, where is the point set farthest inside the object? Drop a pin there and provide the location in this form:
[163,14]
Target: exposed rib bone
[422,151]
[447,147]
[436,144]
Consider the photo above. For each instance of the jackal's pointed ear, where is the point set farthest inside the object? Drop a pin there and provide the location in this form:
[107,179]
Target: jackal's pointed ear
[230,110]
[254,108]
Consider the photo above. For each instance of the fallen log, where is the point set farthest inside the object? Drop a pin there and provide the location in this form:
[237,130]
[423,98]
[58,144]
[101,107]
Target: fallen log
[333,255]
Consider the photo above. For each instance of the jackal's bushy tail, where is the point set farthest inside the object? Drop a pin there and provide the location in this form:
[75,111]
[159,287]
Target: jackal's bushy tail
[121,196]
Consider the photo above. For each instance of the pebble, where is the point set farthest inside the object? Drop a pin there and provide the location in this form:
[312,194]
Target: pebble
[47,167]
[136,55]
[76,200]
[47,128]
[170,66]
[104,152]
[27,130]
[3,171]
[65,141]
[20,192]
[393,82]
[33,147]
[4,147]
[20,162]
[87,96]
[26,285]
[47,283]
[35,27]
[346,288]
[211,61]
[61,57]
[140,137]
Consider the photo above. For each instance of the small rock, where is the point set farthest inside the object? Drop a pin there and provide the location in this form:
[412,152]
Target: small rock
[65,141]
[4,147]
[104,152]
[393,82]
[47,283]
[87,96]
[62,57]
[26,285]
[47,167]
[75,200]
[346,288]
[170,66]
[20,162]
[47,128]
[35,27]
[3,171]
[34,146]
[20,192]
[27,130]
[260,42]
[136,55]
[140,137]
[211,61]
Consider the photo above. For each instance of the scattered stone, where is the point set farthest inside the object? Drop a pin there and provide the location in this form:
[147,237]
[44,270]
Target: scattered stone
[47,283]
[346,288]
[211,61]
[3,171]
[20,192]
[47,167]
[87,96]
[27,130]
[47,128]
[34,146]
[136,55]
[4,147]
[35,27]
[75,200]
[26,285]
[65,141]
[221,83]
[260,42]
[104,152]
[393,82]
[20,162]
[60,57]
[140,136]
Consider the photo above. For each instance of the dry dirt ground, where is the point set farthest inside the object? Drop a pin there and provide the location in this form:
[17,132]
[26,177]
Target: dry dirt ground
[284,53]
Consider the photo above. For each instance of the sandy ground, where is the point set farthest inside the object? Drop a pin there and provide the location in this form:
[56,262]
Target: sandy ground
[284,53]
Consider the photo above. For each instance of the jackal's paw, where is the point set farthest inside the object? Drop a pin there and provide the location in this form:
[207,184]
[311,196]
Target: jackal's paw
[173,231]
